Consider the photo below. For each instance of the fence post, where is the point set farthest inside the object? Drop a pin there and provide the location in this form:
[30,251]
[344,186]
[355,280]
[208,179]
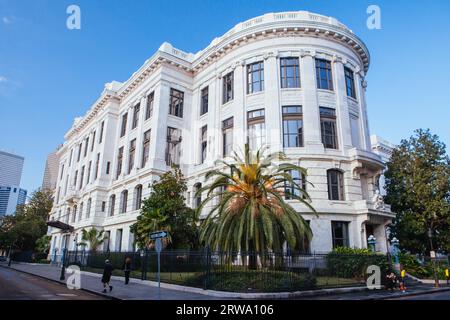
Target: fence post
[207,266]
[63,265]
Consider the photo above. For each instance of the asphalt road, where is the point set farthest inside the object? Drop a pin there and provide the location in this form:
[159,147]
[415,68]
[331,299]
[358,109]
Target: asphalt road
[16,285]
[432,296]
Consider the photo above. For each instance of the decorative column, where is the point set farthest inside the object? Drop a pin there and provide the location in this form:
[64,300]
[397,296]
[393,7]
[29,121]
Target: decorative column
[361,85]
[140,135]
[311,115]
[272,102]
[343,116]
[240,112]
[158,139]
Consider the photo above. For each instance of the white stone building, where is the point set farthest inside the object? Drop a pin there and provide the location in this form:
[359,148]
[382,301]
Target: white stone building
[293,81]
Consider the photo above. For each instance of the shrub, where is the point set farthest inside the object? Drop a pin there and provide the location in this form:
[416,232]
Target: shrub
[353,263]
[255,281]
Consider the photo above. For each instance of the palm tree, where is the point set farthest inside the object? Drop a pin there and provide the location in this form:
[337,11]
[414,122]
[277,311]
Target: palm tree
[250,213]
[94,237]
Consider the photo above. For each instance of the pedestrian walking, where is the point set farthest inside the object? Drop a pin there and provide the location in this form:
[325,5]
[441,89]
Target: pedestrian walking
[127,269]
[106,278]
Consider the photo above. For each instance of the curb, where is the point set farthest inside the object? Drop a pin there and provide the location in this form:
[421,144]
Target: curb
[62,283]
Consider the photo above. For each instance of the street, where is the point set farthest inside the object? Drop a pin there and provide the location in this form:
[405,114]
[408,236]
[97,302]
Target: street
[16,285]
[432,296]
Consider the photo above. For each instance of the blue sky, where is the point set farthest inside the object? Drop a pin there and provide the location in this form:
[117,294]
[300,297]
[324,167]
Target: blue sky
[49,74]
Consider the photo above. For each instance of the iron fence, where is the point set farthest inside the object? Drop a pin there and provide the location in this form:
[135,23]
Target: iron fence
[240,271]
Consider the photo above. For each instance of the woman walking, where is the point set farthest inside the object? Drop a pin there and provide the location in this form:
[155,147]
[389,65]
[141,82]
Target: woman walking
[127,269]
[106,278]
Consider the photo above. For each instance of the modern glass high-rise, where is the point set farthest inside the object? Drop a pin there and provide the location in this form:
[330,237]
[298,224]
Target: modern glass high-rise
[11,194]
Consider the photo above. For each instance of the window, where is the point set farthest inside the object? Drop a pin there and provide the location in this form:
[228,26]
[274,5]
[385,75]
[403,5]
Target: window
[204,144]
[340,234]
[58,194]
[255,77]
[119,162]
[66,185]
[335,184]
[149,107]
[204,101]
[97,163]
[88,208]
[176,103]
[131,153]
[173,146]
[62,172]
[290,73]
[137,197]
[350,82]
[75,179]
[67,215]
[103,206]
[228,84]
[93,141]
[256,129]
[292,127]
[86,146]
[227,132]
[107,240]
[80,215]
[123,201]
[81,177]
[112,202]
[79,152]
[198,197]
[108,166]
[145,147]
[102,126]
[324,75]
[88,178]
[328,127]
[119,234]
[123,128]
[135,116]
[293,189]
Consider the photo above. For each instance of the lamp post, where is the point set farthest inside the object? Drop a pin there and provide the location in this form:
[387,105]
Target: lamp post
[433,258]
[395,243]
[371,241]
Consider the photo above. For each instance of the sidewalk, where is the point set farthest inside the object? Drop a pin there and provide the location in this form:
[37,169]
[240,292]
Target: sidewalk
[135,290]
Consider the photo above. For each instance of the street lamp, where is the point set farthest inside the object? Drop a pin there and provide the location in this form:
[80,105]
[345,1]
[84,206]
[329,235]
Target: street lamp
[371,241]
[395,243]
[433,258]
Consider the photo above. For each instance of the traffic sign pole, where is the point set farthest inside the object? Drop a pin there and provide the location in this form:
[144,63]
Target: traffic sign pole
[158,250]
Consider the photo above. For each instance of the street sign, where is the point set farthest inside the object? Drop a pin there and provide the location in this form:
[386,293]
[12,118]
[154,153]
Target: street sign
[158,234]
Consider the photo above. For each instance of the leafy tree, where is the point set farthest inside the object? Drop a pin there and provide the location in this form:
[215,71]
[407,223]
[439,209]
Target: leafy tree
[94,237]
[43,244]
[165,209]
[418,189]
[29,223]
[248,211]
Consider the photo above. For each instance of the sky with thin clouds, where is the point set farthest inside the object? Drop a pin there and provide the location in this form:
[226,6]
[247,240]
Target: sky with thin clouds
[49,75]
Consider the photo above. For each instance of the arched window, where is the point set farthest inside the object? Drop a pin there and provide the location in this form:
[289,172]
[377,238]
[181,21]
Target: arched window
[88,208]
[197,198]
[80,216]
[137,197]
[67,215]
[74,214]
[123,201]
[335,184]
[112,202]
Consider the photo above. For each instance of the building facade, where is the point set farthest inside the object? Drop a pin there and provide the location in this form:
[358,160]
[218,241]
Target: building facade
[11,195]
[384,149]
[51,171]
[292,81]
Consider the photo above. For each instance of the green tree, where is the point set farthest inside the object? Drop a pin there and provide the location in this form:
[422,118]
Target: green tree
[418,189]
[43,244]
[165,209]
[29,223]
[249,212]
[93,237]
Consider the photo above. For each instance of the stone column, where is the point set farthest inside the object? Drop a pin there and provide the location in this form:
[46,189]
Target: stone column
[159,127]
[311,115]
[361,85]
[343,116]
[240,111]
[272,103]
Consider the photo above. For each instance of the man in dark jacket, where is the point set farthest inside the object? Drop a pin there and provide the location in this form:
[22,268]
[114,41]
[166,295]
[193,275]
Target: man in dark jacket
[107,272]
